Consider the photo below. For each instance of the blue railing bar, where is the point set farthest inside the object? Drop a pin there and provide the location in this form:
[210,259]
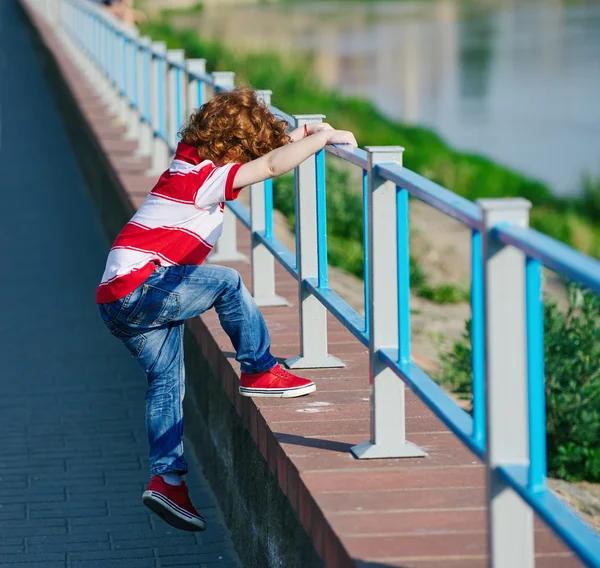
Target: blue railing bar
[135,95]
[355,156]
[434,397]
[125,71]
[536,395]
[435,195]
[339,308]
[278,112]
[285,257]
[268,188]
[574,532]
[204,77]
[366,275]
[321,188]
[176,64]
[147,114]
[552,253]
[162,108]
[275,246]
[477,339]
[403,268]
[240,212]
[180,110]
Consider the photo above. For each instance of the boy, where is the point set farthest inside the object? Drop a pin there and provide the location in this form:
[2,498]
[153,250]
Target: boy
[154,278]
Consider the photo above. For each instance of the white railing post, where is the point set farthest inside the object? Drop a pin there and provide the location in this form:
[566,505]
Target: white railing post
[226,248]
[388,416]
[313,315]
[160,149]
[224,80]
[196,95]
[176,56]
[510,519]
[263,262]
[144,100]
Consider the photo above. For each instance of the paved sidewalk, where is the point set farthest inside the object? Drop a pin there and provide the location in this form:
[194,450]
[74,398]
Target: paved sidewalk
[73,448]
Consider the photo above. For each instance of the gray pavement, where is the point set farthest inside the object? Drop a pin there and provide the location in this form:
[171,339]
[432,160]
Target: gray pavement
[73,447]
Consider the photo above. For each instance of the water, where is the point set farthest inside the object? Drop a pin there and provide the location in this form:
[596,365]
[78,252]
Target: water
[516,81]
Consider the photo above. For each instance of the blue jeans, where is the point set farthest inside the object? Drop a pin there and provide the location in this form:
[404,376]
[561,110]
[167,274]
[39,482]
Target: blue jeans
[149,322]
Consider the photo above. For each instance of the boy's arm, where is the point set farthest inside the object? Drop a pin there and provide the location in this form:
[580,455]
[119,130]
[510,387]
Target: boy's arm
[286,158]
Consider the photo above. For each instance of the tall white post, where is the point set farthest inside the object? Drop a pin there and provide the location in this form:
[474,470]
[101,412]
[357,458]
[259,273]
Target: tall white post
[224,80]
[263,262]
[313,315]
[510,520]
[196,89]
[226,248]
[160,149]
[388,415]
[176,56]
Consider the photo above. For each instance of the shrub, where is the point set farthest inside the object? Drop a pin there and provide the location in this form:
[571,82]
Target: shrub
[572,359]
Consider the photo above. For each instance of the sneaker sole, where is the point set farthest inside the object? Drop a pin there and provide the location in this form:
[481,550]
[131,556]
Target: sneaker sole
[172,513]
[278,393]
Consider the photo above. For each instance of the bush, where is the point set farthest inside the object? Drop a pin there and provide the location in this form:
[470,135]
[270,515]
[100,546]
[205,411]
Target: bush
[572,358]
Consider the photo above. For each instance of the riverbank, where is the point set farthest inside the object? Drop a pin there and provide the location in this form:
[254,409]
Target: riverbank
[574,221]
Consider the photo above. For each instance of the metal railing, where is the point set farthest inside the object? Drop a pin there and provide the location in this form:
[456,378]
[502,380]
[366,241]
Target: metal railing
[152,90]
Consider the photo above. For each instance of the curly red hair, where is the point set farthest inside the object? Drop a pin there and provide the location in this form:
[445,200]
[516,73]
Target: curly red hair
[234,127]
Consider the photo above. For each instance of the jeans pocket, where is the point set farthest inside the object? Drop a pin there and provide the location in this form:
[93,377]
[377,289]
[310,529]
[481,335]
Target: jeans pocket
[110,311]
[154,307]
[135,344]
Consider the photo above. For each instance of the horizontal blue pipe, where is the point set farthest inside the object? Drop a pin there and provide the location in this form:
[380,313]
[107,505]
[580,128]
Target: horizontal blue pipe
[339,308]
[274,245]
[204,77]
[435,195]
[240,212]
[576,534]
[285,257]
[281,114]
[348,153]
[552,253]
[435,398]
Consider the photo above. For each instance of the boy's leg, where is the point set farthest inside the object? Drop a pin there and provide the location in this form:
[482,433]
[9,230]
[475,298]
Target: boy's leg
[204,287]
[160,354]
[207,286]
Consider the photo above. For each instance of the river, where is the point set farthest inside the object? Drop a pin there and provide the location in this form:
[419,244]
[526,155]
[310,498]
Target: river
[518,82]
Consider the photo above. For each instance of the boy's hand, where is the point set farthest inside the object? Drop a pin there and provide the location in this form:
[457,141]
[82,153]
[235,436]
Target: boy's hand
[341,137]
[315,127]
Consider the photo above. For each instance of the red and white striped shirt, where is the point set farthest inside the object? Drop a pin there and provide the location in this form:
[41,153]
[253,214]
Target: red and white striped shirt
[178,223]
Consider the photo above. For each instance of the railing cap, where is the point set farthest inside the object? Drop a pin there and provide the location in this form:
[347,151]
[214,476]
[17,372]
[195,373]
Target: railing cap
[383,155]
[302,119]
[264,95]
[504,203]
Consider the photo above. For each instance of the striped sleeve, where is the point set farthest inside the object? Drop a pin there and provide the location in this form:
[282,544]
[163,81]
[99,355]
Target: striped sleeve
[218,186]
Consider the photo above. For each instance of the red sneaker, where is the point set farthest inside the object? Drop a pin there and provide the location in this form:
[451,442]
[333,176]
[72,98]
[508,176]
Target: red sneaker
[172,504]
[276,382]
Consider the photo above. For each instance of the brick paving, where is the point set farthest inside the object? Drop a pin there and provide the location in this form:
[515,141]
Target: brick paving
[411,513]
[72,441]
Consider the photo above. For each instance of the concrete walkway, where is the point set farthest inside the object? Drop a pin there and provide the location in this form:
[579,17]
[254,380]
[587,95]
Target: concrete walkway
[73,447]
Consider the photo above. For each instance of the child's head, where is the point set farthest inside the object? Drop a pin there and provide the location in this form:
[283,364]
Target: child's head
[234,127]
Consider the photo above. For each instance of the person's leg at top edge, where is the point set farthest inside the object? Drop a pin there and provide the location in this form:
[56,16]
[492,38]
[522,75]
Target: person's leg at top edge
[154,278]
